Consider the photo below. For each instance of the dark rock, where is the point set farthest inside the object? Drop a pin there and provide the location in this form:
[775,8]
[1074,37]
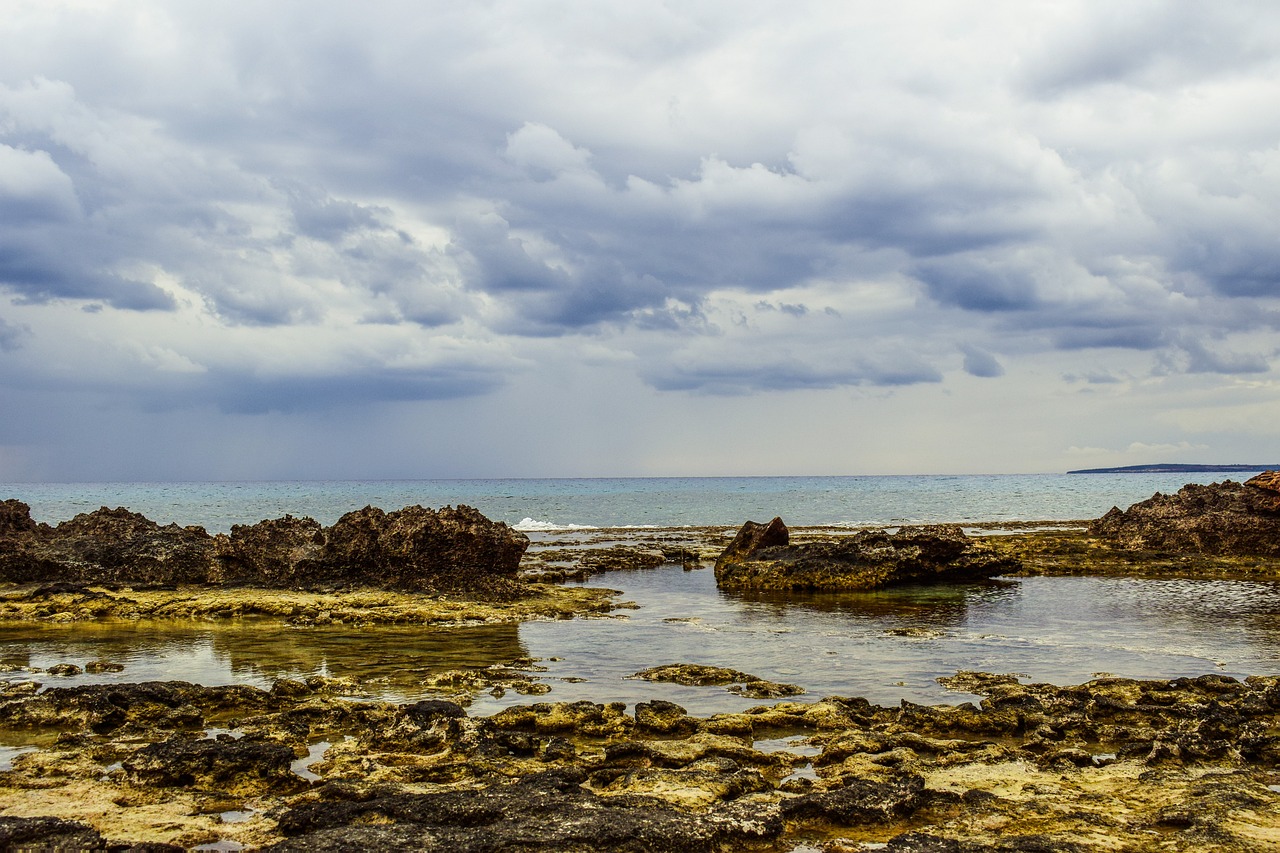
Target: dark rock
[275,552]
[231,767]
[760,557]
[103,546]
[415,548]
[543,811]
[753,536]
[412,549]
[699,675]
[861,801]
[1222,519]
[56,834]
[663,717]
[64,669]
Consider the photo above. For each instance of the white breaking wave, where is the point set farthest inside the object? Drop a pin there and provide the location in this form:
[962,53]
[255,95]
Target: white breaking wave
[532,525]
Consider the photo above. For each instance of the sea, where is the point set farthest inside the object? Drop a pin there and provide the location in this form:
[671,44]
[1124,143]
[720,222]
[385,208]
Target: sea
[887,646]
[567,504]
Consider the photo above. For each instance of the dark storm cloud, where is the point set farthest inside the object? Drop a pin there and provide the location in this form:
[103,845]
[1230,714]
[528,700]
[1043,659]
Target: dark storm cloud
[496,177]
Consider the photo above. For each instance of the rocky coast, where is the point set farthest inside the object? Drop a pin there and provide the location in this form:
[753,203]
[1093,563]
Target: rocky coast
[327,763]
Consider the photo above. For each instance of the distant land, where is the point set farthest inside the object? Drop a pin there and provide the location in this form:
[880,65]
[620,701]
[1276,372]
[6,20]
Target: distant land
[1174,468]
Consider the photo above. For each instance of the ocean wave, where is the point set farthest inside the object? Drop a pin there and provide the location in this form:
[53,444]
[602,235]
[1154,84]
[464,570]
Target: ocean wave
[532,525]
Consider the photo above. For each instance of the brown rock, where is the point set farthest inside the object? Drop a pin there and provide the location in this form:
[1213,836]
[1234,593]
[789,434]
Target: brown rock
[1222,519]
[412,549]
[869,559]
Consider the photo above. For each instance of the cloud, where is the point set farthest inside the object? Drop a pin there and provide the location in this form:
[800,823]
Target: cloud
[980,363]
[304,209]
[11,335]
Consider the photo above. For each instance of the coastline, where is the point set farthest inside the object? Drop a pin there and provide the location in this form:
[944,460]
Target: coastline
[321,763]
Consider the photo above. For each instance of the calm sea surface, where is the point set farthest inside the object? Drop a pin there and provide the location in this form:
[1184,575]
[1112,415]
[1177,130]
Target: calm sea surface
[886,646]
[659,501]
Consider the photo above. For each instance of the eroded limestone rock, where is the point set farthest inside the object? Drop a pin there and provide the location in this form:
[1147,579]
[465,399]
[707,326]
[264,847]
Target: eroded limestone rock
[1222,519]
[762,557]
[412,549]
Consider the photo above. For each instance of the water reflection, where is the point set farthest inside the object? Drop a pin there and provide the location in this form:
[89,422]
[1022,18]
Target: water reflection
[937,606]
[885,646]
[392,660]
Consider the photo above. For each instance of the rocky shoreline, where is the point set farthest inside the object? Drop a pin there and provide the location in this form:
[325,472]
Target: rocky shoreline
[1189,764]
[324,764]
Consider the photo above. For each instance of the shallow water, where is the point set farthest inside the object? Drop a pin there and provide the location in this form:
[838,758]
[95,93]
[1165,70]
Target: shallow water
[886,646]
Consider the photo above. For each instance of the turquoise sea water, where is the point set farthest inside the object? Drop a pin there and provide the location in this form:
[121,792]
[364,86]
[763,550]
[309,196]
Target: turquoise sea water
[604,502]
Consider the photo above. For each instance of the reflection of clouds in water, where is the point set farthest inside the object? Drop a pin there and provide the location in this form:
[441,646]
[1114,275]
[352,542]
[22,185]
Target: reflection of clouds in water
[401,656]
[885,646]
[257,652]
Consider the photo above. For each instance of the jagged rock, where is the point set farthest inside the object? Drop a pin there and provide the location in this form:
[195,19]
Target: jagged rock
[761,557]
[274,552]
[412,549]
[1222,519]
[103,546]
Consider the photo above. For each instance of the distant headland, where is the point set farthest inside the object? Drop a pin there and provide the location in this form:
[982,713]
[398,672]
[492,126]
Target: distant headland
[1174,468]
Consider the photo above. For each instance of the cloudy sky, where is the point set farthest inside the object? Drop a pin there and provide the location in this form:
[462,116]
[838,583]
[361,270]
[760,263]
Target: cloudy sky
[246,240]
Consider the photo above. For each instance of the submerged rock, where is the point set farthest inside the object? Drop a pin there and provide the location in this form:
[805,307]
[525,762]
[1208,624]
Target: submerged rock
[700,675]
[1221,519]
[762,557]
[413,549]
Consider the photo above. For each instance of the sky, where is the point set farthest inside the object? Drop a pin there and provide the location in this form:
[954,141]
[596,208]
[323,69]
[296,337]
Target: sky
[329,240]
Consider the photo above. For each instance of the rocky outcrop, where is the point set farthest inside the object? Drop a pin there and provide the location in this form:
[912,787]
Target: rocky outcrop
[1222,519]
[761,556]
[412,549]
[107,545]
[1106,765]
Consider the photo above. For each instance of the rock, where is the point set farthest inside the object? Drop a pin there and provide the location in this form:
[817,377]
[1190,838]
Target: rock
[752,537]
[663,717]
[1222,519]
[543,811]
[413,549]
[231,767]
[103,546]
[698,675]
[56,834]
[275,552]
[862,801]
[64,669]
[761,557]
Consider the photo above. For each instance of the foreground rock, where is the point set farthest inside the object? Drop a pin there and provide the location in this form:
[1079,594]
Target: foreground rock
[1222,519]
[412,549]
[762,556]
[1113,764]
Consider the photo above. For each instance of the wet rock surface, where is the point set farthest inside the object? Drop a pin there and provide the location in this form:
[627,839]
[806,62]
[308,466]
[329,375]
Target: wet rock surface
[762,556]
[700,675]
[1223,519]
[1113,764]
[412,549]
